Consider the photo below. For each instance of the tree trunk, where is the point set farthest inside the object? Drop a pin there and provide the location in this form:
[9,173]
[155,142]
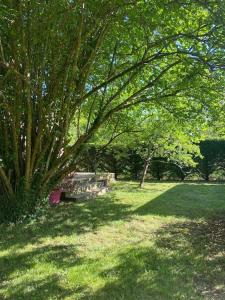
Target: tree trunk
[206,177]
[146,165]
[183,175]
[158,175]
[115,169]
[135,175]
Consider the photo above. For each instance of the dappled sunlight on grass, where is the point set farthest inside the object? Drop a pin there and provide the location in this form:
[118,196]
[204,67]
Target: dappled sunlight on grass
[168,268]
[68,219]
[165,241]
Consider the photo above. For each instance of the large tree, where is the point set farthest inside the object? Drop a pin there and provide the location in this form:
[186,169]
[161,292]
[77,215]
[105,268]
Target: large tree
[76,63]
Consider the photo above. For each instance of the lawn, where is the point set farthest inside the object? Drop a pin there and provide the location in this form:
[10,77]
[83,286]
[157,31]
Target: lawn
[166,241]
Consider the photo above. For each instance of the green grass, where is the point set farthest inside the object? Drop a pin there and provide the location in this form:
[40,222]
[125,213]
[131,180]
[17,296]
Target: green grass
[166,241]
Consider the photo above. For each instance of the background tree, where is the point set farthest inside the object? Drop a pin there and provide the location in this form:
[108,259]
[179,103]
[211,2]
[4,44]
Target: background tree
[174,142]
[213,152]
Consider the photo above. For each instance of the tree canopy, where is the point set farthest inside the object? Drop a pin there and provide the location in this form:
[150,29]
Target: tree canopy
[72,65]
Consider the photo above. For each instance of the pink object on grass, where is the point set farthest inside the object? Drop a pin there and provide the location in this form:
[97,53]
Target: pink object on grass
[55,196]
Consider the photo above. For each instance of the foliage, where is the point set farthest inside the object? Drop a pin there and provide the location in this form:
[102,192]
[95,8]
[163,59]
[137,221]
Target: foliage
[71,65]
[213,152]
[127,162]
[155,134]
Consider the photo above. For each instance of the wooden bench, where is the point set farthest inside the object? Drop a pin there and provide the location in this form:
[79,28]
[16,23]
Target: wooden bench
[82,186]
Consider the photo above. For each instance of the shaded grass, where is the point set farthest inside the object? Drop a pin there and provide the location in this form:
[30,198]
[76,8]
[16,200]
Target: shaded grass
[166,241]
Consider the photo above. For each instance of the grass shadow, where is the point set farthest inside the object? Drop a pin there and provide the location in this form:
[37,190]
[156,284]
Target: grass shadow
[44,284]
[187,200]
[46,288]
[185,262]
[66,219]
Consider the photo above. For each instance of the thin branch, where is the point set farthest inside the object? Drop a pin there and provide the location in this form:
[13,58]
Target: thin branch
[139,64]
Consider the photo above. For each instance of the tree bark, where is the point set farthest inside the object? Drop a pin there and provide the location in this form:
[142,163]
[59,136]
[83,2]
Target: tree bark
[145,170]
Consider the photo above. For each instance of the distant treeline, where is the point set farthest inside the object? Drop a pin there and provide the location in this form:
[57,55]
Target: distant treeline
[127,163]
